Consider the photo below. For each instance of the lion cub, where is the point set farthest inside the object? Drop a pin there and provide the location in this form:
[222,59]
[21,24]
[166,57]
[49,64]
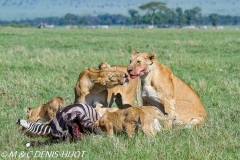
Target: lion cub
[45,112]
[131,120]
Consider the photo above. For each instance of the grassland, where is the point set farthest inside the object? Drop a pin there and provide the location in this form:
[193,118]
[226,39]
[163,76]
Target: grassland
[37,65]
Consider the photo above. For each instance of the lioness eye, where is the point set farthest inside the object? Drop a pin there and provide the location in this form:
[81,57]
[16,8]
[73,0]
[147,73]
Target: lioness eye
[130,61]
[138,62]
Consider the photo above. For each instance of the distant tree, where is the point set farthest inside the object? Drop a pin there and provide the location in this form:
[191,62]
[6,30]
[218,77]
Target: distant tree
[236,20]
[91,20]
[109,19]
[213,19]
[157,13]
[120,19]
[146,19]
[133,12]
[171,17]
[152,7]
[180,16]
[138,19]
[229,19]
[192,14]
[197,10]
[198,15]
[70,19]
[134,15]
[82,20]
[165,17]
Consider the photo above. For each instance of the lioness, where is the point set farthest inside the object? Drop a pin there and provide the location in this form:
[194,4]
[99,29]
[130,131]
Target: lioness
[130,120]
[123,95]
[161,88]
[103,85]
[45,112]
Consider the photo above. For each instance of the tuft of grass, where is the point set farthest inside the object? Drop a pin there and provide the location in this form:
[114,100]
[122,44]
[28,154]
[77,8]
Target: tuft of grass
[37,65]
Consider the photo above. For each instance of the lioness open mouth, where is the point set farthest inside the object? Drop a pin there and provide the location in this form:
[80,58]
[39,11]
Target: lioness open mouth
[133,76]
[142,72]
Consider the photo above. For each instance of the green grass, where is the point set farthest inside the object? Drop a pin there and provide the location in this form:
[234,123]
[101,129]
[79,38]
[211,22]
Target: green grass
[37,65]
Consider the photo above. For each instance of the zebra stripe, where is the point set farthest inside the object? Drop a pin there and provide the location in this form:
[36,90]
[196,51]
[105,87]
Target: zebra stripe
[35,128]
[39,129]
[85,114]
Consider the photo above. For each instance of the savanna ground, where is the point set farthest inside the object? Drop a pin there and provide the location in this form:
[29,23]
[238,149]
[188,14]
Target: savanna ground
[39,64]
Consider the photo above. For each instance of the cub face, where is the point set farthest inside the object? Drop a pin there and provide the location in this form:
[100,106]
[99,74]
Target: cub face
[101,123]
[31,112]
[45,112]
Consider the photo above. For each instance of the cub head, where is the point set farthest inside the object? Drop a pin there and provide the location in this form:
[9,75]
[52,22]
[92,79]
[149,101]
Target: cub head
[110,76]
[140,64]
[28,111]
[102,111]
[101,124]
[33,113]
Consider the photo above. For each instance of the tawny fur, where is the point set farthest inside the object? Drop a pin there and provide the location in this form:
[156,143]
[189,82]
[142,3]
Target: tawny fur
[99,87]
[161,88]
[103,110]
[130,120]
[123,95]
[45,112]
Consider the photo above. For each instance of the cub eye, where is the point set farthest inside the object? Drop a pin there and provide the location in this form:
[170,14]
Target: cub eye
[130,61]
[138,62]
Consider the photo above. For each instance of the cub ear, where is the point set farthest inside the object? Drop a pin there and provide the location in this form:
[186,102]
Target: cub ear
[103,65]
[27,109]
[151,56]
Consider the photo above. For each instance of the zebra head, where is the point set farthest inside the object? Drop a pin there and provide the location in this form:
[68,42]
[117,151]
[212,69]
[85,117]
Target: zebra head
[22,123]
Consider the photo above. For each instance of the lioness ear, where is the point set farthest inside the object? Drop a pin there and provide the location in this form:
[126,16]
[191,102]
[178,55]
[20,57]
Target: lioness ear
[27,109]
[151,56]
[113,68]
[103,65]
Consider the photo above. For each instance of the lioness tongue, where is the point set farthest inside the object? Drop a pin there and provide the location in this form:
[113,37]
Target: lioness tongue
[133,77]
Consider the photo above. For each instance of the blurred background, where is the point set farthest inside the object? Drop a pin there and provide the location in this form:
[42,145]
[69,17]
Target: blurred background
[135,13]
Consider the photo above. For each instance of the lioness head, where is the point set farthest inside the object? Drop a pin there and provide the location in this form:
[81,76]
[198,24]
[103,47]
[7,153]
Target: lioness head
[110,76]
[140,64]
